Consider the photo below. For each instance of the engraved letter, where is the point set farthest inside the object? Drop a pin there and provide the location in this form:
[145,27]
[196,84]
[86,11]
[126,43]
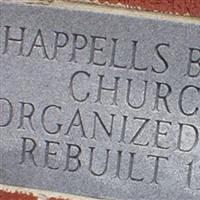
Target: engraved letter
[28,147]
[123,133]
[29,116]
[94,49]
[114,90]
[134,50]
[20,40]
[190,175]
[158,46]
[75,46]
[163,97]
[109,132]
[194,63]
[77,116]
[156,167]
[129,92]
[73,157]
[139,131]
[159,133]
[113,55]
[44,113]
[130,171]
[58,44]
[35,43]
[10,115]
[50,153]
[98,159]
[183,91]
[195,136]
[71,86]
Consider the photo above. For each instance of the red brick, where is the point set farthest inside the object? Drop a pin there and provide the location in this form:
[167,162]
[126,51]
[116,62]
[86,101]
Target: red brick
[181,7]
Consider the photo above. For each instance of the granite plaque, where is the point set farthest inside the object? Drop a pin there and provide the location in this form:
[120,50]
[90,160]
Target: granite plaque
[99,104]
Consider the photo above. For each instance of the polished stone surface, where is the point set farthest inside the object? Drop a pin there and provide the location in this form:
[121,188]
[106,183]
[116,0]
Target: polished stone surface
[100,105]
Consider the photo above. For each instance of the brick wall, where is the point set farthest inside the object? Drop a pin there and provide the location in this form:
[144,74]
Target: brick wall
[180,7]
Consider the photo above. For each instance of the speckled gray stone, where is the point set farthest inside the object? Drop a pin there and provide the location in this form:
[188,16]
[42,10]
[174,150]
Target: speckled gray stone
[100,105]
